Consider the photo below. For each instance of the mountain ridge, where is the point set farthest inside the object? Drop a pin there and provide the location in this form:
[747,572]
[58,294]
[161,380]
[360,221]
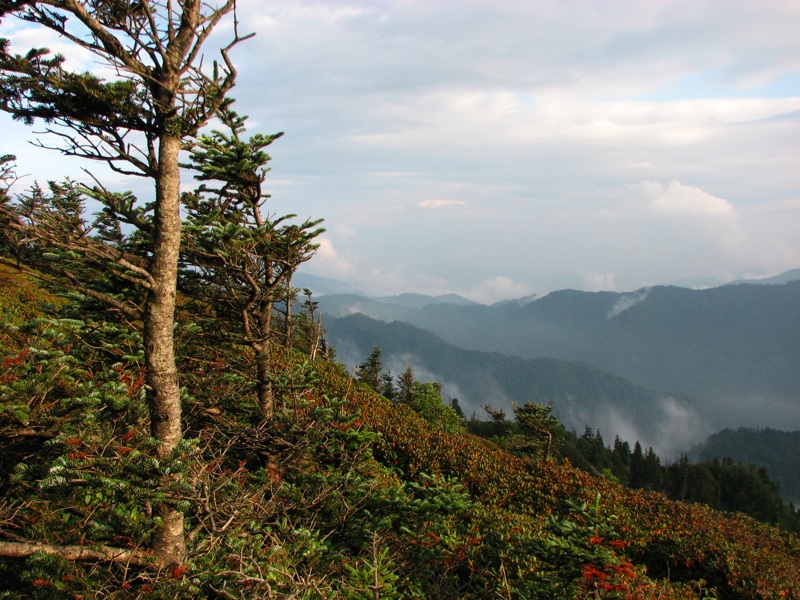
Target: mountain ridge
[734,347]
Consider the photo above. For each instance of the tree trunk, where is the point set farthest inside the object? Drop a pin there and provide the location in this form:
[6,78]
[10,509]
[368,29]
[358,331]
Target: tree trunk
[265,396]
[264,361]
[163,391]
[287,324]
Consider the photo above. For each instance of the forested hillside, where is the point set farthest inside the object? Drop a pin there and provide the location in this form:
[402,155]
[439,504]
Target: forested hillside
[776,451]
[173,424]
[720,483]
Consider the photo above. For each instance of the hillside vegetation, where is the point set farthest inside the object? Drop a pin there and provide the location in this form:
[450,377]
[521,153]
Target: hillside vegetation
[340,494]
[173,425]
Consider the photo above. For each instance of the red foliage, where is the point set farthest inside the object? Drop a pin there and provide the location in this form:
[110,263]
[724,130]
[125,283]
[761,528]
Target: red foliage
[179,571]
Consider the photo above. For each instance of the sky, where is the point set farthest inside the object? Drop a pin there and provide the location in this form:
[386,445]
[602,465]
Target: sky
[503,149]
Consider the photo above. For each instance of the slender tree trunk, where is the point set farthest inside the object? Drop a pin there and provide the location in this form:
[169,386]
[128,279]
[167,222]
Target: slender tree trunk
[287,323]
[264,362]
[163,391]
[264,373]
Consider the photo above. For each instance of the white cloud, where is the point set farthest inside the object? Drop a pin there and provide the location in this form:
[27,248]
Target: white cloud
[679,199]
[533,116]
[440,203]
[329,262]
[679,428]
[497,289]
[599,281]
[627,301]
[27,36]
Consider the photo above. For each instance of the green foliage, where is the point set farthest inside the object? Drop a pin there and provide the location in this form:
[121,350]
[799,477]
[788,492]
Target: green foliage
[369,372]
[405,386]
[730,486]
[428,404]
[334,497]
[723,485]
[338,493]
[48,233]
[670,539]
[769,448]
[424,398]
[237,263]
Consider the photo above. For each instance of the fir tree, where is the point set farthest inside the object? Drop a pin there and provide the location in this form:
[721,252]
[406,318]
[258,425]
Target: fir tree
[135,124]
[236,258]
[405,386]
[369,371]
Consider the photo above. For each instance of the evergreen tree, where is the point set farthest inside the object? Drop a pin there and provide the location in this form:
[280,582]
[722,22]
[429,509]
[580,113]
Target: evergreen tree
[497,427]
[652,472]
[454,404]
[237,260]
[405,386]
[162,97]
[621,460]
[313,336]
[388,388]
[428,403]
[636,476]
[537,423]
[369,371]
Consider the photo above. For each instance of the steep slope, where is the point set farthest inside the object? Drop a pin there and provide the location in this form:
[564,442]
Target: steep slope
[675,542]
[334,496]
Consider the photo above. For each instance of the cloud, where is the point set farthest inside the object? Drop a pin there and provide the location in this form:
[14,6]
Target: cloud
[29,36]
[329,262]
[695,224]
[497,289]
[679,199]
[627,301]
[599,281]
[440,203]
[679,429]
[535,118]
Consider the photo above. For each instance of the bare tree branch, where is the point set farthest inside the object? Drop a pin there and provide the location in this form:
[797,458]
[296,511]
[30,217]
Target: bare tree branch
[139,558]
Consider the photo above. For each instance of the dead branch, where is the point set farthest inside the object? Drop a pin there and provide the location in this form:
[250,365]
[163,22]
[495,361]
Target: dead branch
[139,558]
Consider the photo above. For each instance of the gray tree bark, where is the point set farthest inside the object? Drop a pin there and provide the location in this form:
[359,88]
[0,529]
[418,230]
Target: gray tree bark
[163,390]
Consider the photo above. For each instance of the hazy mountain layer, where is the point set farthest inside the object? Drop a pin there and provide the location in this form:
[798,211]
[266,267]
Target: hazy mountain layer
[582,395]
[735,348]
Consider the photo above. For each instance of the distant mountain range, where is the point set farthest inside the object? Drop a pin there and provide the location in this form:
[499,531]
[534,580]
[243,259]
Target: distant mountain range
[709,282]
[728,356]
[326,285]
